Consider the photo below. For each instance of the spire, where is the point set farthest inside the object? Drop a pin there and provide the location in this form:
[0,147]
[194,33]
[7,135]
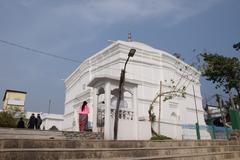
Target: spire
[129,37]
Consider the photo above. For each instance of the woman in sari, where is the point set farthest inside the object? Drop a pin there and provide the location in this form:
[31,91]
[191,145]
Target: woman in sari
[83,117]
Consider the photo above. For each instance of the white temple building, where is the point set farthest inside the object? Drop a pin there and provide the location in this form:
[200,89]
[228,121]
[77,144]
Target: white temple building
[96,81]
[49,120]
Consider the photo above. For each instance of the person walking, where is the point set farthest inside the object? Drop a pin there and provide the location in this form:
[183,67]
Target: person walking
[83,117]
[31,122]
[39,121]
[21,123]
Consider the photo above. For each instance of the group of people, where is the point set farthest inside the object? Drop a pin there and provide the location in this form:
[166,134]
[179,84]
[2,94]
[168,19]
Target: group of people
[33,123]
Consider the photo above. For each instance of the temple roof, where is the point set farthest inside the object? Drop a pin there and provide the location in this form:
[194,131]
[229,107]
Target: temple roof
[139,45]
[15,91]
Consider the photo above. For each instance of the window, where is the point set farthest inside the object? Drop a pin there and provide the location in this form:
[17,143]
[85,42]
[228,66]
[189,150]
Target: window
[84,86]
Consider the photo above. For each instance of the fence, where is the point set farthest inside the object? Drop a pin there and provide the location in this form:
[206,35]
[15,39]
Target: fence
[206,132]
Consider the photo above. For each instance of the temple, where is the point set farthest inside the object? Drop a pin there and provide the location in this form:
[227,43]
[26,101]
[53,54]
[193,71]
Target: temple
[96,80]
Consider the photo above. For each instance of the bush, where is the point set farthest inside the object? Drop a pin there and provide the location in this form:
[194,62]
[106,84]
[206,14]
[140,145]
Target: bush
[160,137]
[53,128]
[7,120]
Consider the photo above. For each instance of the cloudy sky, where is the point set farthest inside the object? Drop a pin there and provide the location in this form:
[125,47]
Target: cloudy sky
[77,29]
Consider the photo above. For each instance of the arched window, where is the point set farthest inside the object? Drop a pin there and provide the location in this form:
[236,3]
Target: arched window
[126,102]
[101,91]
[174,116]
[123,103]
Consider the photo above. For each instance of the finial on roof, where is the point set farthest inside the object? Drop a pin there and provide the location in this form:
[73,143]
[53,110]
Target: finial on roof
[129,37]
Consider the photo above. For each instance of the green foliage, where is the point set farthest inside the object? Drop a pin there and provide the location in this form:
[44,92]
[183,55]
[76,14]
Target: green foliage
[222,71]
[178,56]
[237,46]
[160,137]
[7,120]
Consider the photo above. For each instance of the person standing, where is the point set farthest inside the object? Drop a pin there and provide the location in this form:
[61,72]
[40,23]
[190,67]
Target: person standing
[21,123]
[31,121]
[39,121]
[83,116]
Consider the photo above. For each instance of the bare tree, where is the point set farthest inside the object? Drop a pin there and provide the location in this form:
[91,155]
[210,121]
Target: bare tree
[175,89]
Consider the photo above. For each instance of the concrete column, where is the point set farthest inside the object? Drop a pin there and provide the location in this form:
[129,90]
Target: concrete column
[135,111]
[107,121]
[76,118]
[94,109]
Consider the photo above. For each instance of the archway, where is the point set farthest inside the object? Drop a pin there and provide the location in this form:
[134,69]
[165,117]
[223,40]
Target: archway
[100,109]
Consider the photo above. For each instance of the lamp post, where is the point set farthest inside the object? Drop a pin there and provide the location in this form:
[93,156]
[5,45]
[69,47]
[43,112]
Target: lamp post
[120,92]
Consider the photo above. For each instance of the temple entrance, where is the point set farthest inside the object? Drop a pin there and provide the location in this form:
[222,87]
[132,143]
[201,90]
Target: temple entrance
[105,96]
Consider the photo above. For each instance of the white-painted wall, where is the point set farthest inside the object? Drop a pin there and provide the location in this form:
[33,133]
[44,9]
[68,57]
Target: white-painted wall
[146,69]
[48,120]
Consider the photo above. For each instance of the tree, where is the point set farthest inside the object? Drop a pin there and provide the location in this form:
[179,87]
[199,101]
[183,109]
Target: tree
[178,56]
[175,89]
[180,92]
[7,120]
[237,46]
[222,71]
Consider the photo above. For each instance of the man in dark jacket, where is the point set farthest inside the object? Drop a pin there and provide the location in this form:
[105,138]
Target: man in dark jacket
[21,123]
[38,121]
[31,122]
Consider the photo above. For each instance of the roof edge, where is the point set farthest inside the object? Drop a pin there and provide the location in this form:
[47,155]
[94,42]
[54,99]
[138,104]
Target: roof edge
[9,90]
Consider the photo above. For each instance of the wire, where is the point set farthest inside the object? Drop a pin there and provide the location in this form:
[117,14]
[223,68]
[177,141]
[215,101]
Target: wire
[39,52]
[49,54]
[60,57]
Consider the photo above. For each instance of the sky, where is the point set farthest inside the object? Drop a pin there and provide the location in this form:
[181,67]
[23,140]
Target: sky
[77,29]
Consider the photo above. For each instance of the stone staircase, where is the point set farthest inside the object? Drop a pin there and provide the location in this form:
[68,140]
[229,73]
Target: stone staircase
[47,145]
[64,149]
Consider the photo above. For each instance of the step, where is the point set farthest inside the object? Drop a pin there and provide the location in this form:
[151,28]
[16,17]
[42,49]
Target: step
[63,143]
[15,133]
[76,153]
[82,135]
[209,156]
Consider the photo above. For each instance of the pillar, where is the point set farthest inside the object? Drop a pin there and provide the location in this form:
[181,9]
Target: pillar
[107,120]
[94,107]
[135,111]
